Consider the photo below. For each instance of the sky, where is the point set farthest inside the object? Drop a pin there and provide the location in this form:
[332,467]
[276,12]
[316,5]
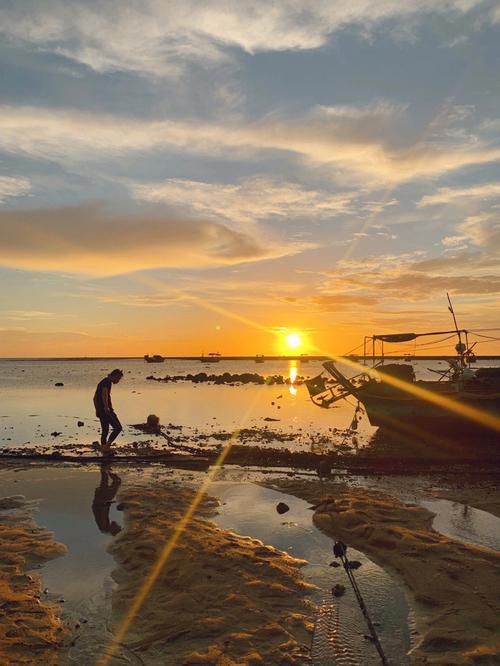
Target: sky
[184,177]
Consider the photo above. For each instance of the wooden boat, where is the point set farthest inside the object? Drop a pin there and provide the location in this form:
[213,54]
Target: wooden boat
[156,358]
[259,358]
[461,399]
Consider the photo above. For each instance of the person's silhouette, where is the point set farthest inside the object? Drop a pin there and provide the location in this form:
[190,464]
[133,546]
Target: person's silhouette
[103,498]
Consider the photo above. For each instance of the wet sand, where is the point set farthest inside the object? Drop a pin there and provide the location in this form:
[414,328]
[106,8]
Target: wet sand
[220,599]
[226,599]
[31,630]
[453,586]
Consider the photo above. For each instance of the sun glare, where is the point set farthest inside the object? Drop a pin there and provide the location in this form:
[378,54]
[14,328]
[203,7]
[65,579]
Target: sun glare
[293,341]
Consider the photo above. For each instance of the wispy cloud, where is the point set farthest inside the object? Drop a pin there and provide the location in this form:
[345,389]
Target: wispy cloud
[457,196]
[90,239]
[251,199]
[367,152]
[157,38]
[11,186]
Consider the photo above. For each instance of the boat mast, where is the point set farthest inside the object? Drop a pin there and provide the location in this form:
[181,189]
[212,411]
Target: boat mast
[460,347]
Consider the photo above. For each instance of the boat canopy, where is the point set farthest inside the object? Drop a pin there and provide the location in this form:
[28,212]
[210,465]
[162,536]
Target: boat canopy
[396,337]
[406,337]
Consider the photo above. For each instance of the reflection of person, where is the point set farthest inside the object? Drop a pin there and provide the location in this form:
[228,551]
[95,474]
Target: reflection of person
[104,409]
[103,497]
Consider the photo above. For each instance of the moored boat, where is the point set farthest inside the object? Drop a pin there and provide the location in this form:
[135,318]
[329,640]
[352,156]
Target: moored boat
[461,399]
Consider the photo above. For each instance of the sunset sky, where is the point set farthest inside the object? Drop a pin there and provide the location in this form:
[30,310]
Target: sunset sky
[179,177]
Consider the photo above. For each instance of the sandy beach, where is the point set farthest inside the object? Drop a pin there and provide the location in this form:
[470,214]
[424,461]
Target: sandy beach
[31,630]
[220,598]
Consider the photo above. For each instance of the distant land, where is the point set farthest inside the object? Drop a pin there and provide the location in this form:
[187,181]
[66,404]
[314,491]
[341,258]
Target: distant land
[199,359]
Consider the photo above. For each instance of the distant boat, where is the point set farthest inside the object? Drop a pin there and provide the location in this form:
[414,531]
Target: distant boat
[259,358]
[304,358]
[156,358]
[212,357]
[409,359]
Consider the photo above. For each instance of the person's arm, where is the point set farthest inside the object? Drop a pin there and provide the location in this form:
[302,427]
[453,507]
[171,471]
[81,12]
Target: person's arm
[105,399]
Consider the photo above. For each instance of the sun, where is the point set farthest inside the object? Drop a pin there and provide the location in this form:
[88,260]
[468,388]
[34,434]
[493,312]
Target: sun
[293,341]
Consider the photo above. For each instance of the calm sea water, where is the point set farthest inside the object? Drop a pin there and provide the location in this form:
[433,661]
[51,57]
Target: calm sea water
[32,407]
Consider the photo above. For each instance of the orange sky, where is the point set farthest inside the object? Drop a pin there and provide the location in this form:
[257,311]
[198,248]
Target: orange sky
[238,173]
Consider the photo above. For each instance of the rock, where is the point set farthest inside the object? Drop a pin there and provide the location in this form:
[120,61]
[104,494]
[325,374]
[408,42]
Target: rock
[354,564]
[334,564]
[80,424]
[281,507]
[58,384]
[153,422]
[55,433]
[338,590]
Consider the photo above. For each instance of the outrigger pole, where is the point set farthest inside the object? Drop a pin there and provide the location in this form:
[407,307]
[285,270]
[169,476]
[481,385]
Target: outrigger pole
[340,551]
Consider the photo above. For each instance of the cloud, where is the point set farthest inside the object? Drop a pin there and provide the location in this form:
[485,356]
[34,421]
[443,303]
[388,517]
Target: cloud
[369,152]
[410,277]
[89,239]
[483,230]
[157,38]
[250,199]
[457,196]
[333,302]
[23,315]
[13,187]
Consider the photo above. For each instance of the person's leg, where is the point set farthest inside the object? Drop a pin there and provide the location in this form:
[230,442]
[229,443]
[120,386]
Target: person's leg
[117,428]
[104,429]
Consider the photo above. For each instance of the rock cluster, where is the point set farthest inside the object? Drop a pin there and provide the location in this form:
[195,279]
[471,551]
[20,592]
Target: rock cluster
[228,378]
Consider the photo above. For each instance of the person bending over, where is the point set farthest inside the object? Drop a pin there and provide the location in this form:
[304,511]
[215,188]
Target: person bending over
[104,409]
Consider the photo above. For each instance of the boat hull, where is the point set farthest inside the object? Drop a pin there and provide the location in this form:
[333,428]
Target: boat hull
[422,415]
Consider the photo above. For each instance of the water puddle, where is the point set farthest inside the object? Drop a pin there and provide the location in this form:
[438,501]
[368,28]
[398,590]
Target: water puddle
[79,582]
[250,510]
[464,523]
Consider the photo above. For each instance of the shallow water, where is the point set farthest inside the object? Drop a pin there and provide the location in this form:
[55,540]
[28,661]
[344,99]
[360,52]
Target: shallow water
[250,510]
[79,582]
[464,523]
[32,407]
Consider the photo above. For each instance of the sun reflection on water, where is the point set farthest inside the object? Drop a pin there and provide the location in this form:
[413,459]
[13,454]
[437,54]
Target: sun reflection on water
[293,377]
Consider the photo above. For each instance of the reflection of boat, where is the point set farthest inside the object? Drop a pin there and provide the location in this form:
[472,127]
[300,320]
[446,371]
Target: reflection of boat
[213,357]
[156,358]
[259,358]
[461,398]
